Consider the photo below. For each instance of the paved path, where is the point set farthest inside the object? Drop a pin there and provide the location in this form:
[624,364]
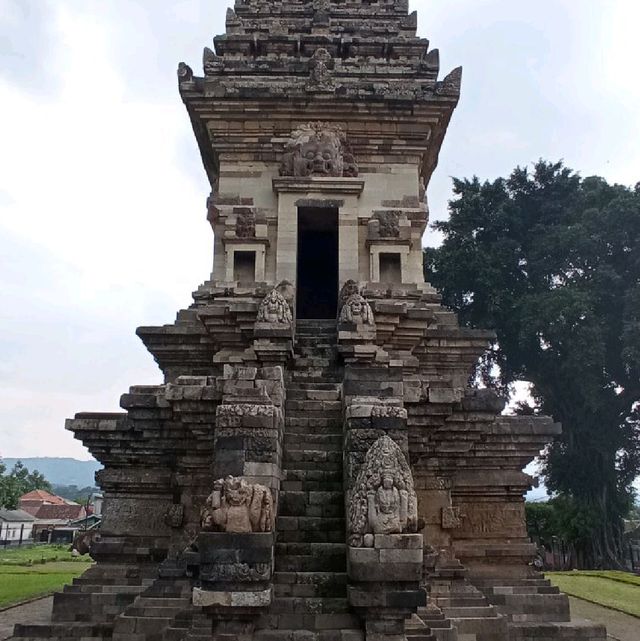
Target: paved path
[35,612]
[620,627]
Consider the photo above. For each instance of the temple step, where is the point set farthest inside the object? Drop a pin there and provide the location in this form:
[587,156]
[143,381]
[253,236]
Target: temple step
[309,635]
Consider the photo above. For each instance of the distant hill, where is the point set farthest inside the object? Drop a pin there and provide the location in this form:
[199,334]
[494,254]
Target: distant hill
[60,471]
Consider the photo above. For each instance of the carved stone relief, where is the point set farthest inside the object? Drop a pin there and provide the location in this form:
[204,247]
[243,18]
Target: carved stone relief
[236,506]
[174,517]
[320,78]
[389,224]
[318,149]
[246,225]
[383,500]
[451,518]
[491,519]
[274,309]
[356,310]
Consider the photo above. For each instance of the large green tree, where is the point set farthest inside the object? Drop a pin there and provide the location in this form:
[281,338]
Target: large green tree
[18,482]
[551,261]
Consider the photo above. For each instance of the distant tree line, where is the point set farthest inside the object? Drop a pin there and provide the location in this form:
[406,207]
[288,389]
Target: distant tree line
[74,493]
[19,481]
[551,262]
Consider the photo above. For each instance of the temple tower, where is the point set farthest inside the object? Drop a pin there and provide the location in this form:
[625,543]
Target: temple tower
[315,466]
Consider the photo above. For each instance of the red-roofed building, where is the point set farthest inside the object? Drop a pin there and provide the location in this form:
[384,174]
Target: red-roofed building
[31,502]
[51,512]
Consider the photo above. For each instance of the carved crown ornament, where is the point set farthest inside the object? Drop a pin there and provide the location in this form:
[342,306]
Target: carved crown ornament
[318,149]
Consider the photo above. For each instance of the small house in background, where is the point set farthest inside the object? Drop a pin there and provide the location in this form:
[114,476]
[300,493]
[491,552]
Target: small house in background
[33,501]
[16,527]
[53,516]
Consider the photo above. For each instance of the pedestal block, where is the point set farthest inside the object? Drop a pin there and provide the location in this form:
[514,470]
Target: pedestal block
[384,584]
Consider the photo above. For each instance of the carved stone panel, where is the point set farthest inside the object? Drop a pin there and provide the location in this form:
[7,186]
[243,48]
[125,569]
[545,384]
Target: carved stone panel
[492,520]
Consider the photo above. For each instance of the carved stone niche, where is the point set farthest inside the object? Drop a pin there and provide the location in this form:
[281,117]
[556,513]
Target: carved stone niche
[318,149]
[383,499]
[385,554]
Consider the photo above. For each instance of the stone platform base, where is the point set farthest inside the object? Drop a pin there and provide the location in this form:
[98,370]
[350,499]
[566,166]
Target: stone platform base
[580,630]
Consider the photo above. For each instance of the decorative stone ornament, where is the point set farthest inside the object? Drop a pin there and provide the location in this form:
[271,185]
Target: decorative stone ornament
[356,310]
[348,289]
[234,506]
[389,224]
[274,309]
[320,79]
[318,149]
[174,517]
[246,225]
[383,500]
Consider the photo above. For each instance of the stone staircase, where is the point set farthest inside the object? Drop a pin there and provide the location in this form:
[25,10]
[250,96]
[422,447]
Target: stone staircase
[535,609]
[153,611]
[310,581]
[465,606]
[86,609]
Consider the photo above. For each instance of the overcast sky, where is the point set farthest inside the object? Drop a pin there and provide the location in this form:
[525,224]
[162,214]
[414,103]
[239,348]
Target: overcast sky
[102,194]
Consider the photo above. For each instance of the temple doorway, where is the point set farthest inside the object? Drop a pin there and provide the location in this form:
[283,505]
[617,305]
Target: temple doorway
[317,287]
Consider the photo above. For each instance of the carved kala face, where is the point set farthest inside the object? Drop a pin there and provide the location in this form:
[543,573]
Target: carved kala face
[356,308]
[236,494]
[318,157]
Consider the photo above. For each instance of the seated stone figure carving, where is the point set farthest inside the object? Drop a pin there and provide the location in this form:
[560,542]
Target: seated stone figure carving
[356,310]
[274,309]
[383,499]
[318,149]
[236,506]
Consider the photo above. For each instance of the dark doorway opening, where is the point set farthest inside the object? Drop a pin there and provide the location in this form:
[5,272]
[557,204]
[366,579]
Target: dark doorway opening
[317,291]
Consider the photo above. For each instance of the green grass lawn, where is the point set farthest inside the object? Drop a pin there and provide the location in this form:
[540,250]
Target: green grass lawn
[30,572]
[617,590]
[28,555]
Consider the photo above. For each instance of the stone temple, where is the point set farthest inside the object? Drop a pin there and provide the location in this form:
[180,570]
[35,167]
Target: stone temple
[315,466]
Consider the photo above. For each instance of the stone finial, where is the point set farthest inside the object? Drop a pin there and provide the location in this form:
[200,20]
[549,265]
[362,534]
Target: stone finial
[451,84]
[356,310]
[211,63]
[274,309]
[318,149]
[236,506]
[185,72]
[383,500]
